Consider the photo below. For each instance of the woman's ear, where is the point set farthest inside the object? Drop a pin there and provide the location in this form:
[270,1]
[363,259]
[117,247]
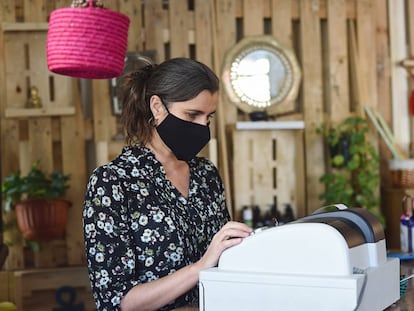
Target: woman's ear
[157,107]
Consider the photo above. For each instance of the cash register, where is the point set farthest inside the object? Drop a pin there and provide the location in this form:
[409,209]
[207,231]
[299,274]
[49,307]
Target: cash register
[329,260]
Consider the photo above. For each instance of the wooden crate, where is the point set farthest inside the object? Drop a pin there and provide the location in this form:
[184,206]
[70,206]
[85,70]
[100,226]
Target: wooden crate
[51,289]
[25,47]
[6,286]
[268,166]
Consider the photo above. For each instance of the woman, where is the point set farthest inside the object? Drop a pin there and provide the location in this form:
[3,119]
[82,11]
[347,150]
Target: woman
[155,216]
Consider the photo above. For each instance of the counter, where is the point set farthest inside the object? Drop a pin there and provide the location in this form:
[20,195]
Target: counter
[405,304]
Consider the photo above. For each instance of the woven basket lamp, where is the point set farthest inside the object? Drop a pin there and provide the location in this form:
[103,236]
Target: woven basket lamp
[89,42]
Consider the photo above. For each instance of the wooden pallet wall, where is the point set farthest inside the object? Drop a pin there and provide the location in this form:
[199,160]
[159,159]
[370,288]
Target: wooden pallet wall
[53,134]
[341,46]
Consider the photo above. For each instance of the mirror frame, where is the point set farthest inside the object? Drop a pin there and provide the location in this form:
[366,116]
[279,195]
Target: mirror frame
[279,104]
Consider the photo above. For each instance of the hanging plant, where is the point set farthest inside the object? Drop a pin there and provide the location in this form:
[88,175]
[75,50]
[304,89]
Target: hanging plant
[352,175]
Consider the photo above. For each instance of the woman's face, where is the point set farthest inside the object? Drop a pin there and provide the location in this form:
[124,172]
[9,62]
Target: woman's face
[199,110]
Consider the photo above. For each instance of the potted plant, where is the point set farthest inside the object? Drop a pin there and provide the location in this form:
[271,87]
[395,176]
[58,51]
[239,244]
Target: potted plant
[37,200]
[352,176]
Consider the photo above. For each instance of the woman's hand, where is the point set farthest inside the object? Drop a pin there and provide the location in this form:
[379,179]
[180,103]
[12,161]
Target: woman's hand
[232,233]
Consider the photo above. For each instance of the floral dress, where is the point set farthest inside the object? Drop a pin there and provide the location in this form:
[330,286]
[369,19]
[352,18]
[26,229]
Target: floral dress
[138,227]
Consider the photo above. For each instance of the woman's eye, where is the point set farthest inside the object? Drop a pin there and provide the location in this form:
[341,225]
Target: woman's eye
[192,115]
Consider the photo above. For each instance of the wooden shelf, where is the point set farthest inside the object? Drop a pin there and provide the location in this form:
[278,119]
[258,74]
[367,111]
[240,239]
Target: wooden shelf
[39,112]
[270,125]
[24,26]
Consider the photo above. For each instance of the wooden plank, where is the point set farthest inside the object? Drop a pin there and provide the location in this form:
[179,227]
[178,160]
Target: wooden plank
[283,32]
[204,43]
[39,129]
[281,14]
[40,146]
[311,60]
[383,82]
[410,26]
[9,137]
[38,112]
[133,9]
[73,133]
[8,11]
[367,63]
[203,32]
[16,71]
[338,80]
[153,17]
[104,122]
[179,44]
[6,286]
[253,17]
[223,18]
[399,85]
[62,3]
[34,10]
[37,66]
[224,39]
[18,27]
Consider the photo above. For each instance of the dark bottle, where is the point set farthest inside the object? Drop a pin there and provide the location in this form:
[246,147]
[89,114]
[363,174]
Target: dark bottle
[288,213]
[257,217]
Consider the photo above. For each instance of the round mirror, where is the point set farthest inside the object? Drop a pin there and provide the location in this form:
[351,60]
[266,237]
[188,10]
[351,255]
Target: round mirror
[261,75]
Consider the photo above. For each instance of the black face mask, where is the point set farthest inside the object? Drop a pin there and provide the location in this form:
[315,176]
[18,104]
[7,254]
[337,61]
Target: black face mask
[184,138]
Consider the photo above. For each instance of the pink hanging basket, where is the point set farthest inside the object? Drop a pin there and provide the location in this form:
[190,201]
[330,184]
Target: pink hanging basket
[87,42]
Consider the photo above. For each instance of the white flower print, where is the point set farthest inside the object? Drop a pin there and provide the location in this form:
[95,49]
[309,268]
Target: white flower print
[101,216]
[106,201]
[99,257]
[149,261]
[144,192]
[143,220]
[93,180]
[116,301]
[158,216]
[146,236]
[103,281]
[134,225]
[90,212]
[131,264]
[121,172]
[100,191]
[100,224]
[175,257]
[135,172]
[108,227]
[89,228]
[115,193]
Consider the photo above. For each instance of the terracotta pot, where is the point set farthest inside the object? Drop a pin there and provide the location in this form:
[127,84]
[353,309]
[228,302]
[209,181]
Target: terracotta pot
[42,219]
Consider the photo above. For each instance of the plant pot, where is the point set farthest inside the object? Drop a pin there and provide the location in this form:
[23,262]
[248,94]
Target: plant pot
[341,150]
[42,219]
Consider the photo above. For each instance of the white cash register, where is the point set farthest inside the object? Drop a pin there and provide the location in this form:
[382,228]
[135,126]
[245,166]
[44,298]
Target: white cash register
[330,260]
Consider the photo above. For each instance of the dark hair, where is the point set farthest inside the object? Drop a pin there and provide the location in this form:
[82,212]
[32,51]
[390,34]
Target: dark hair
[177,79]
